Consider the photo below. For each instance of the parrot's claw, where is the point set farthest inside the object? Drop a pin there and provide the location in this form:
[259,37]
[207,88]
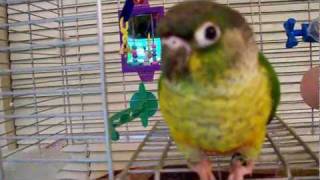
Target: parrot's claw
[239,168]
[204,170]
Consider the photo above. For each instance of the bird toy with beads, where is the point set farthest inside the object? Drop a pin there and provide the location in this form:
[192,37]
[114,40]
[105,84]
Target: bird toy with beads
[149,51]
[154,54]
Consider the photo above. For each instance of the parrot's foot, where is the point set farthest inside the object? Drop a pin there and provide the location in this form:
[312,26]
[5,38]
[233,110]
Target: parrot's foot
[240,167]
[204,170]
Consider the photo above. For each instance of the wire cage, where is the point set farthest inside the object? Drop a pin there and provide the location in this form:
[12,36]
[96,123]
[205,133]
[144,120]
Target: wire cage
[61,78]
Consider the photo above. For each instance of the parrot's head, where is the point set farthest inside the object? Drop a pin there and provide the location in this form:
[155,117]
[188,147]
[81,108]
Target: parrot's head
[202,40]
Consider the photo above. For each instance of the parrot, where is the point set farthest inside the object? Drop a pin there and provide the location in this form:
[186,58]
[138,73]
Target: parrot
[217,91]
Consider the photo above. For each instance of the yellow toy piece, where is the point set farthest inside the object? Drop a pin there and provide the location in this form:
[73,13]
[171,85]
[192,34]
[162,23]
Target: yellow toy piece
[124,31]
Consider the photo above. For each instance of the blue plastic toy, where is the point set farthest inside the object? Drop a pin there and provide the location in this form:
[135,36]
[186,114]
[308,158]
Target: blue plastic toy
[309,32]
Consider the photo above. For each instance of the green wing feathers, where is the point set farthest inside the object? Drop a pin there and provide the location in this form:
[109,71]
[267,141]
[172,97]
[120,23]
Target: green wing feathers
[274,83]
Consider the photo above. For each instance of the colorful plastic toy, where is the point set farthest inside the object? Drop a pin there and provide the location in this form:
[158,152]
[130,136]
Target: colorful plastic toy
[140,45]
[309,32]
[143,105]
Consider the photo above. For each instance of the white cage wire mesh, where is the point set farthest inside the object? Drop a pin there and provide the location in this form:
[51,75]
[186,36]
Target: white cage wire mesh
[53,107]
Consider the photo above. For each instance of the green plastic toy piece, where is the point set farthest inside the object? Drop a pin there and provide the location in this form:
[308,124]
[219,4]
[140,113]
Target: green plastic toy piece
[143,104]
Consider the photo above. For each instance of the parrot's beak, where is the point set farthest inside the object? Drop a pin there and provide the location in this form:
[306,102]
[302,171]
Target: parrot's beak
[175,56]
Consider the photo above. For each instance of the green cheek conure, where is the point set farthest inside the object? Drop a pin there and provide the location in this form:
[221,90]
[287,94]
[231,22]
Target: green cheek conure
[217,91]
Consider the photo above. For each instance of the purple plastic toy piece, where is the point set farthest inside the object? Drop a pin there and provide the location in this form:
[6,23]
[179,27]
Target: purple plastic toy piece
[146,73]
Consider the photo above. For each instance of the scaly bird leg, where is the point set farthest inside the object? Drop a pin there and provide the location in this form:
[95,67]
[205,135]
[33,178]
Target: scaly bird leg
[240,168]
[204,170]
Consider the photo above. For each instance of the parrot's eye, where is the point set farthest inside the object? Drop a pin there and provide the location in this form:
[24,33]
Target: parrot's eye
[207,34]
